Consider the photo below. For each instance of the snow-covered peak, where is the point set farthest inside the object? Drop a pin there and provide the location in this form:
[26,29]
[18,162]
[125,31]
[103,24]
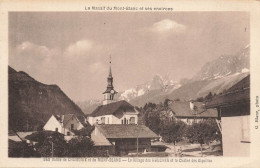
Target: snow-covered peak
[157,83]
[225,65]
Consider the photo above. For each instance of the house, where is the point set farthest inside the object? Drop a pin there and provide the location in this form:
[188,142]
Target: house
[112,111]
[233,107]
[125,139]
[189,112]
[120,112]
[65,124]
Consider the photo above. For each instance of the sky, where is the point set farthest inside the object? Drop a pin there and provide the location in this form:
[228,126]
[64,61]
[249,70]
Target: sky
[72,49]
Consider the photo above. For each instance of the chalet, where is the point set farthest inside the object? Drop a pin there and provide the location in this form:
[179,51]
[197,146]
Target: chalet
[233,107]
[189,112]
[125,139]
[65,124]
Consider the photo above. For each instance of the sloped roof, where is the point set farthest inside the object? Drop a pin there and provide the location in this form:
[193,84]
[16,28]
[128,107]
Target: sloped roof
[82,121]
[126,131]
[182,109]
[15,138]
[115,108]
[67,117]
[100,140]
[238,93]
[22,135]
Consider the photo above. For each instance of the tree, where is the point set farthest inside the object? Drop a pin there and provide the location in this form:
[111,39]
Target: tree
[21,149]
[203,132]
[80,146]
[209,96]
[200,99]
[86,131]
[153,121]
[49,144]
[173,131]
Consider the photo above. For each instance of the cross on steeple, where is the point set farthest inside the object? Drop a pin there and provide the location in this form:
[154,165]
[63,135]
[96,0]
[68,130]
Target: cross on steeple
[110,71]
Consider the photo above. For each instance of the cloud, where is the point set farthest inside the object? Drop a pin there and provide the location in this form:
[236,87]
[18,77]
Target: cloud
[28,49]
[167,26]
[34,58]
[79,49]
[97,67]
[30,53]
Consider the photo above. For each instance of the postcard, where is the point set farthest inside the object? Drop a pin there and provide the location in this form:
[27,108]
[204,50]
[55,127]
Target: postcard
[130,83]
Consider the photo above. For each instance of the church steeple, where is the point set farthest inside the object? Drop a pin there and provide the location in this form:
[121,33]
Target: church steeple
[110,92]
[110,71]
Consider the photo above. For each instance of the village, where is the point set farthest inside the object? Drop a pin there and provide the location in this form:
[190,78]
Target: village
[173,128]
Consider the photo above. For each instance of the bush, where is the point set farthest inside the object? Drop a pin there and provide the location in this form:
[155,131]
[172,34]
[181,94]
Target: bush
[81,146]
[21,149]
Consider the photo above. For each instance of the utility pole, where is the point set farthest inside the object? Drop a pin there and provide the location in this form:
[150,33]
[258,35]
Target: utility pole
[51,149]
[27,125]
[137,145]
[50,138]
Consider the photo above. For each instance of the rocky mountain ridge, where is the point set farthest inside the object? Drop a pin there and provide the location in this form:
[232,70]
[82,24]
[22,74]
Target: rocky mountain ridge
[214,76]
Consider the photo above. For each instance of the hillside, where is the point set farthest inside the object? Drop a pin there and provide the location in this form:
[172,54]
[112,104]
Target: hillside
[32,103]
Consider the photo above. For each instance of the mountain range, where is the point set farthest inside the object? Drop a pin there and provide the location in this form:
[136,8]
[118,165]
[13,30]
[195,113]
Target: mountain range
[215,77]
[31,103]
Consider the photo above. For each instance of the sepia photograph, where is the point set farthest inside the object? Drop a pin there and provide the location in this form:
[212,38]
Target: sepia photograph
[128,84]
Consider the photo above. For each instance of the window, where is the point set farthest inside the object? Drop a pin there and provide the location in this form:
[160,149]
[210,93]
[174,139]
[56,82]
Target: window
[68,133]
[72,126]
[96,121]
[103,120]
[108,120]
[132,120]
[126,121]
[122,121]
[56,129]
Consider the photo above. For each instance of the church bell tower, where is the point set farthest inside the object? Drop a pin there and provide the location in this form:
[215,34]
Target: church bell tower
[110,92]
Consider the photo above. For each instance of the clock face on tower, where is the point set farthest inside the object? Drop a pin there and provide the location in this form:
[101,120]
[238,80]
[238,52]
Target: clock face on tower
[112,91]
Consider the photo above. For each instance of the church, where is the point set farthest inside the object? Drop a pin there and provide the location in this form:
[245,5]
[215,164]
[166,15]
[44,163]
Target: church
[112,111]
[116,125]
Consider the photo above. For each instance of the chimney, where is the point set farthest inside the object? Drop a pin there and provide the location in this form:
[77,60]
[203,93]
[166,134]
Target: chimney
[191,105]
[61,119]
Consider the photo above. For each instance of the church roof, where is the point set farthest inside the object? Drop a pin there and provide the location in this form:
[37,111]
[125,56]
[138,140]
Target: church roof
[115,108]
[109,89]
[126,131]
